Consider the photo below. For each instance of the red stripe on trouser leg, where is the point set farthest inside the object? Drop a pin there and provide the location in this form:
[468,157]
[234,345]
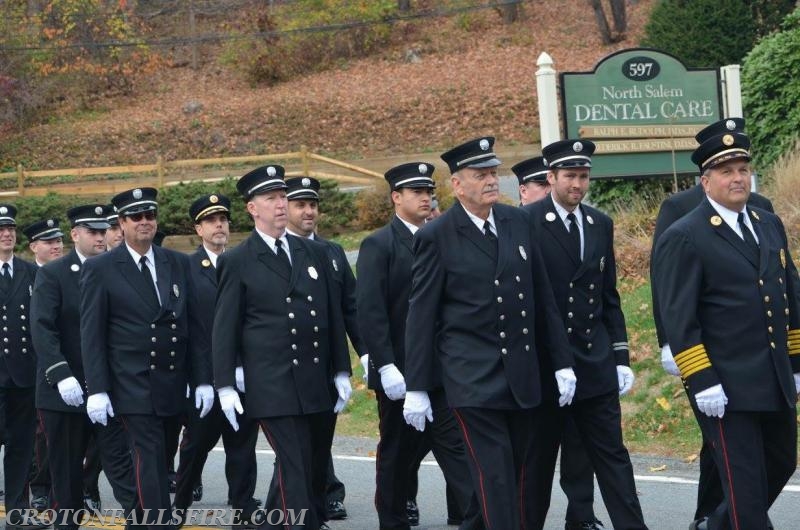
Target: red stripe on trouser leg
[280,470]
[137,461]
[477,466]
[730,478]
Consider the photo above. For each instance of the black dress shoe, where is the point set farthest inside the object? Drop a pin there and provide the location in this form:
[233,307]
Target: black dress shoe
[700,524]
[91,502]
[584,525]
[454,521]
[40,503]
[412,512]
[30,522]
[336,510]
[253,520]
[323,526]
[197,493]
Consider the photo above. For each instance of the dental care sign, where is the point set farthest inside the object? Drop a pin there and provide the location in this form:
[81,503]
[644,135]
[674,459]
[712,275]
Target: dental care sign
[642,108]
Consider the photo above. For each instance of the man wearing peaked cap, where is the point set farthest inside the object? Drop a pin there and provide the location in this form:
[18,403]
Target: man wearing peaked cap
[114,231]
[55,330]
[303,214]
[532,177]
[17,372]
[384,281]
[727,262]
[278,289]
[577,242]
[46,240]
[211,217]
[709,488]
[478,302]
[142,340]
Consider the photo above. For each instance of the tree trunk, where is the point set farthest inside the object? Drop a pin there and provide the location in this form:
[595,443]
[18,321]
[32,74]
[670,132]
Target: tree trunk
[510,11]
[619,15]
[602,23]
[403,5]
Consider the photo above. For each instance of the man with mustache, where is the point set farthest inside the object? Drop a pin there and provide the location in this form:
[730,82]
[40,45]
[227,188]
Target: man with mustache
[142,339]
[480,302]
[727,295]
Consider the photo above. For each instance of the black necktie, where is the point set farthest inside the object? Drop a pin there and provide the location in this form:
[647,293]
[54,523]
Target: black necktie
[5,279]
[747,234]
[148,278]
[574,236]
[487,231]
[282,256]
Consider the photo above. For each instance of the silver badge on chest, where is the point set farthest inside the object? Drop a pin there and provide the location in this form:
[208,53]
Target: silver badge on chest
[335,265]
[602,263]
[74,267]
[523,253]
[313,273]
[176,290]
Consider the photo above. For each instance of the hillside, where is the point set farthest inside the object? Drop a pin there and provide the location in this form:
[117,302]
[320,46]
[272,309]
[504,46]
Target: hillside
[470,80]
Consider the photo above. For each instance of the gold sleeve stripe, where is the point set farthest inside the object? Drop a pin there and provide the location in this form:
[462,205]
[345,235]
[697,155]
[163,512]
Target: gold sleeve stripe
[692,360]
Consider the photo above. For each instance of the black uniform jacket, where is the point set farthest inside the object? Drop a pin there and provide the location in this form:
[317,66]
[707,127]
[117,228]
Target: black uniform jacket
[56,330]
[673,208]
[18,364]
[477,315]
[384,283]
[138,352]
[289,330]
[586,294]
[730,314]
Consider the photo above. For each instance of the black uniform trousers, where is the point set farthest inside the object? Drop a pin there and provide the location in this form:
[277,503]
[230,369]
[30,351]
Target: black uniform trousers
[597,422]
[498,443]
[200,437]
[302,447]
[92,466]
[172,435]
[453,509]
[334,488]
[709,486]
[68,435]
[756,454]
[577,475]
[146,439]
[18,422]
[40,482]
[397,448]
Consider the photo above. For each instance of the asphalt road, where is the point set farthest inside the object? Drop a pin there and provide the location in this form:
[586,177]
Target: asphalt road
[667,496]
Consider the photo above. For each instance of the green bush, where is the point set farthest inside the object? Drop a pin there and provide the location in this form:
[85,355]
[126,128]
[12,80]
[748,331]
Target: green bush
[710,33]
[770,91]
[609,194]
[297,37]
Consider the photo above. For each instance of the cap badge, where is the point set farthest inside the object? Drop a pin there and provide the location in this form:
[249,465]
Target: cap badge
[213,199]
[523,253]
[50,223]
[313,273]
[550,216]
[577,147]
[74,267]
[98,210]
[206,263]
[335,265]
[3,210]
[544,161]
[730,125]
[271,171]
[115,209]
[137,193]
[727,140]
[484,144]
[716,220]
[602,263]
[589,218]
[176,290]
[783,258]
[306,182]
[423,169]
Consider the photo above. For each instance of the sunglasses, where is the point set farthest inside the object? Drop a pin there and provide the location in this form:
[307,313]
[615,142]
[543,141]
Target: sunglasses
[138,216]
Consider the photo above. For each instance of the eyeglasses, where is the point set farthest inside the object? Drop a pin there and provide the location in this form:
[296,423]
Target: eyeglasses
[138,216]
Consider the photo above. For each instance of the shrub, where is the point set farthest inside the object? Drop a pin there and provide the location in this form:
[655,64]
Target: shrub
[374,207]
[611,194]
[709,33]
[770,91]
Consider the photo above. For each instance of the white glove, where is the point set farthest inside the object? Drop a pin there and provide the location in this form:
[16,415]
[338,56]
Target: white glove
[99,408]
[416,408]
[712,401]
[240,379]
[393,382]
[204,397]
[365,366]
[625,378]
[566,381]
[71,391]
[668,361]
[343,388]
[230,404]
[797,382]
